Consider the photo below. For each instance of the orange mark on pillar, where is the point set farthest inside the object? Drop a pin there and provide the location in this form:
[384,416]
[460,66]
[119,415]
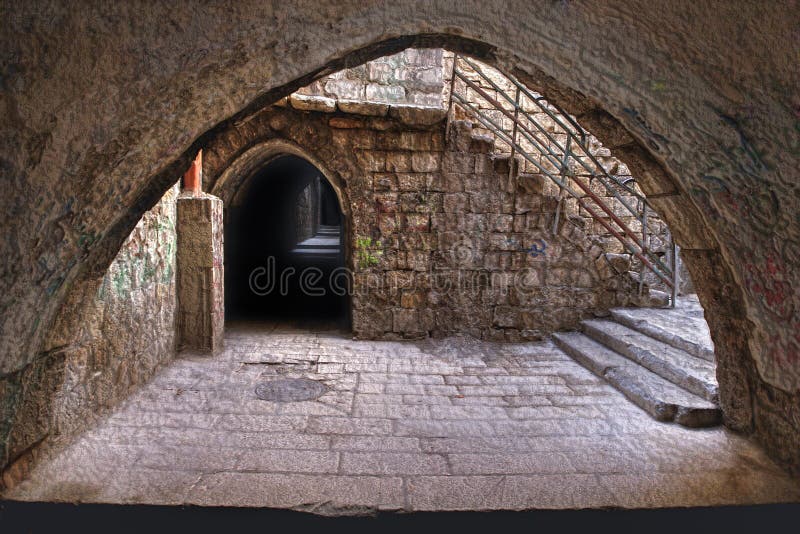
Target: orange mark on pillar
[192,179]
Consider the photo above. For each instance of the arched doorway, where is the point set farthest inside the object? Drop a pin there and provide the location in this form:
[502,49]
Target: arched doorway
[284,254]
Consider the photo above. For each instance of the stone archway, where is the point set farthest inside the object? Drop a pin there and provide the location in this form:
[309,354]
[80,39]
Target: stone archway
[226,181]
[229,184]
[665,98]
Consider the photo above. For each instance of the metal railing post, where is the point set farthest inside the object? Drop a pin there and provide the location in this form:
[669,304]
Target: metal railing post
[516,122]
[676,277]
[645,249]
[564,177]
[513,139]
[450,96]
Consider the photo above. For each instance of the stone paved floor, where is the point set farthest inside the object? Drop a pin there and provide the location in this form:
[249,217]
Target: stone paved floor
[437,425]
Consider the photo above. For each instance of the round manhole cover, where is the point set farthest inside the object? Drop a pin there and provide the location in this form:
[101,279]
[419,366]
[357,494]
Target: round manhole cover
[290,390]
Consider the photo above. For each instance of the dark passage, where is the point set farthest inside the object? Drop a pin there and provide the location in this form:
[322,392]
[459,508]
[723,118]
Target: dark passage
[284,257]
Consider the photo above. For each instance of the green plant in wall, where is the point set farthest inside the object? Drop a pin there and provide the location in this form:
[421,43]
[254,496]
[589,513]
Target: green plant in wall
[368,252]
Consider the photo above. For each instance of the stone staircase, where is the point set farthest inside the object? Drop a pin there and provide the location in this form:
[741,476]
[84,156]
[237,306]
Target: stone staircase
[660,359]
[325,245]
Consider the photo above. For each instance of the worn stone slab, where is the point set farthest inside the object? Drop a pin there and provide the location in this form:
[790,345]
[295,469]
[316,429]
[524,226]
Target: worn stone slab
[287,461]
[676,327]
[467,439]
[418,115]
[312,103]
[678,366]
[660,398]
[509,463]
[376,443]
[326,495]
[700,488]
[361,107]
[346,425]
[508,492]
[393,463]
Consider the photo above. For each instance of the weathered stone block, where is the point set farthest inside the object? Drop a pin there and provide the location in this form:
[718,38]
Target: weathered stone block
[416,140]
[483,144]
[502,223]
[362,139]
[345,89]
[483,164]
[412,299]
[459,162]
[505,316]
[346,123]
[384,182]
[405,321]
[390,140]
[371,160]
[385,93]
[455,202]
[453,182]
[388,224]
[312,103]
[417,116]
[410,181]
[360,107]
[620,263]
[531,184]
[434,182]
[460,135]
[425,161]
[417,222]
[398,161]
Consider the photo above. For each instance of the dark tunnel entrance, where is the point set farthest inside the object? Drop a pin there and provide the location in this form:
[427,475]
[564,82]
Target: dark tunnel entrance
[284,248]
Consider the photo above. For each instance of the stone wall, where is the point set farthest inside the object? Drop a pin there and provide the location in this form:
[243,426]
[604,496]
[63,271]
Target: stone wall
[111,334]
[553,139]
[306,211]
[422,76]
[443,236]
[414,76]
[468,246]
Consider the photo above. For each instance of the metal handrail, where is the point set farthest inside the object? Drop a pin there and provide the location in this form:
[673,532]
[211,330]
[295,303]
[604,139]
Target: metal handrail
[557,119]
[553,158]
[637,246]
[489,123]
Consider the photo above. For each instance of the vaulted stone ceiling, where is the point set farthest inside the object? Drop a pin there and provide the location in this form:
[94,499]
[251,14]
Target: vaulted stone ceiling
[103,105]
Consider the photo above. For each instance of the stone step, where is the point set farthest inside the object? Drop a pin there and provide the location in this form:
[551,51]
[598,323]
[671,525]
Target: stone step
[682,330]
[320,240]
[693,374]
[481,143]
[506,165]
[311,251]
[659,397]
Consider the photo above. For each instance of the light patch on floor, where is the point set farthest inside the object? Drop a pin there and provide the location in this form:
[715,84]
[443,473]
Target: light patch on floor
[451,424]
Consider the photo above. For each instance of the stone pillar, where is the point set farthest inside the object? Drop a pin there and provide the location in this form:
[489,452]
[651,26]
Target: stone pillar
[200,289]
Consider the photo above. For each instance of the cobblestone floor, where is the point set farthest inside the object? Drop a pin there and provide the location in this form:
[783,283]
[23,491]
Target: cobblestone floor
[437,425]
